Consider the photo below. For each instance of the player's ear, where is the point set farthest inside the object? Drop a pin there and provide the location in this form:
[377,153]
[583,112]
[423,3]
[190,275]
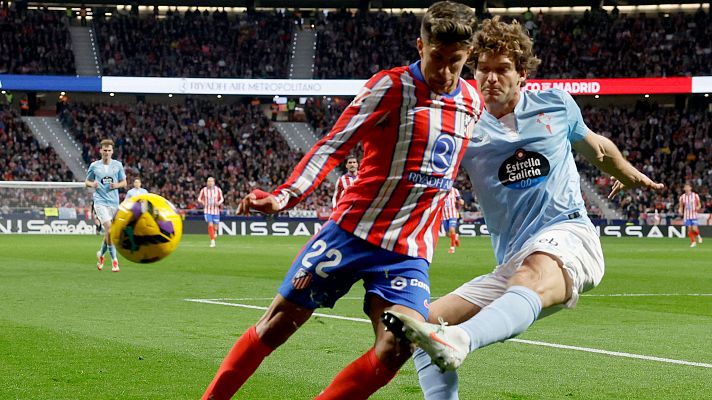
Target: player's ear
[523,77]
[419,44]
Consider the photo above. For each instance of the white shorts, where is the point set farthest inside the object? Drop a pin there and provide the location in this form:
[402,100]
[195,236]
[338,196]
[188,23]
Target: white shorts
[577,248]
[105,213]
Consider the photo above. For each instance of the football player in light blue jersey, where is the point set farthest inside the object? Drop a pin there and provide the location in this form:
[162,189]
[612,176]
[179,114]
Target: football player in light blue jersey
[106,176]
[523,173]
[136,190]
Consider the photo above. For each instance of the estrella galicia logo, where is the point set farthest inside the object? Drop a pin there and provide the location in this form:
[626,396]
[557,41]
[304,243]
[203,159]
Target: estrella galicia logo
[523,170]
[443,152]
[107,180]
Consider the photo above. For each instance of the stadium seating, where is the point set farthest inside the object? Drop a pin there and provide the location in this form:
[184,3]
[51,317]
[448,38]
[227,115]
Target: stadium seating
[174,148]
[194,44]
[671,146]
[35,42]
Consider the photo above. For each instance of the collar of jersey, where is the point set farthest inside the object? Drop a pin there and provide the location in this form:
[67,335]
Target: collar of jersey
[415,71]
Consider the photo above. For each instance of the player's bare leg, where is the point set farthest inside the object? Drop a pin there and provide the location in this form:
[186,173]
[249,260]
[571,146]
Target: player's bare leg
[378,365]
[540,282]
[279,322]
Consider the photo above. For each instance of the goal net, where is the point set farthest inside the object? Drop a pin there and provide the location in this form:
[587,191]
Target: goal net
[45,207]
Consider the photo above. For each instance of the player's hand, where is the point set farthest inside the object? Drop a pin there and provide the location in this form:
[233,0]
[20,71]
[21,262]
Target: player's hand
[643,181]
[258,200]
[113,186]
[95,184]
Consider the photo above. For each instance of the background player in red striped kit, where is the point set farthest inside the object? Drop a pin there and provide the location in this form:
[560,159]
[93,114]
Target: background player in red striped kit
[414,123]
[211,197]
[345,180]
[690,205]
[451,214]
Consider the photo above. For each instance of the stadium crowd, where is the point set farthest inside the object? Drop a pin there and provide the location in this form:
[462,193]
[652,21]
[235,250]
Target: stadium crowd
[360,44]
[669,145]
[22,158]
[175,148]
[195,44]
[35,42]
[593,44]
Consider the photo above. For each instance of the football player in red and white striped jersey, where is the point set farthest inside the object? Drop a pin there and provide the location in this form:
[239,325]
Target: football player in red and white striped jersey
[690,205]
[345,180]
[212,198]
[451,215]
[414,123]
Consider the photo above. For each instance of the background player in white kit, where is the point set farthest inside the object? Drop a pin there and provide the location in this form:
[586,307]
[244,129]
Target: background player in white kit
[211,197]
[106,176]
[690,205]
[523,173]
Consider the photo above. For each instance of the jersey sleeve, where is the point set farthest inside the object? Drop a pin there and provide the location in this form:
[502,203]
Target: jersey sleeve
[201,195]
[90,173]
[122,173]
[577,128]
[337,189]
[221,199]
[375,100]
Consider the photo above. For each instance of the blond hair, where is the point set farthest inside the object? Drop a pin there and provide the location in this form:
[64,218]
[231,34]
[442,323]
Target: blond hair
[106,142]
[447,22]
[512,40]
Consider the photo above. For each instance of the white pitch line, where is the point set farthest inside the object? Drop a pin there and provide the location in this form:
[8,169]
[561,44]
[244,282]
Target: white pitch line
[646,294]
[613,353]
[532,342]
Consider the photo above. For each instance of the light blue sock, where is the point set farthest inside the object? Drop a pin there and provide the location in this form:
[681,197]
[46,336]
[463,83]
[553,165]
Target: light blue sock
[112,251]
[435,385]
[103,249]
[506,317]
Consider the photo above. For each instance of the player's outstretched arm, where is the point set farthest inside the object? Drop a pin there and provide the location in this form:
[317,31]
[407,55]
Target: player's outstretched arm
[604,154]
[259,201]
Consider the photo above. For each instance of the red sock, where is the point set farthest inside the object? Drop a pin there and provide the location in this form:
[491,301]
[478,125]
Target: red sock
[358,380]
[691,235]
[211,232]
[239,364]
[452,240]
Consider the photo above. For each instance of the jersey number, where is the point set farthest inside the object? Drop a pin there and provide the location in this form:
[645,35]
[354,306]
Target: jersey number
[333,258]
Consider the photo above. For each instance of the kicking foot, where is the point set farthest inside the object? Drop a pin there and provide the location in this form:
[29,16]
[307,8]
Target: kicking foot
[699,239]
[99,261]
[115,266]
[693,244]
[212,243]
[447,345]
[452,250]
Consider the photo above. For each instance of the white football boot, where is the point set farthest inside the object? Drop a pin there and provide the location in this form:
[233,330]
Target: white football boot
[447,345]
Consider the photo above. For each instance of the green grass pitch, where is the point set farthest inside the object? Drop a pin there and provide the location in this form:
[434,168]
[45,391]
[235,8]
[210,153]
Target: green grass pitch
[68,331]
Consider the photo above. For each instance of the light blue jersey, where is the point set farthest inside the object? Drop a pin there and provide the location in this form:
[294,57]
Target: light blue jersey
[135,192]
[522,169]
[106,175]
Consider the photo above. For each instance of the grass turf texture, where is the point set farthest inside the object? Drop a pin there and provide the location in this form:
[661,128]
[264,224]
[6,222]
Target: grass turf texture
[68,331]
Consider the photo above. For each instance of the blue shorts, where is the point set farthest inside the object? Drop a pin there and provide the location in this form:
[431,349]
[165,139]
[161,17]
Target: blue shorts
[212,218]
[691,222]
[333,260]
[450,223]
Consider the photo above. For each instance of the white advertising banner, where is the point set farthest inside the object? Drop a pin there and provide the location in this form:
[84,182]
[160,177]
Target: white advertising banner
[702,84]
[245,87]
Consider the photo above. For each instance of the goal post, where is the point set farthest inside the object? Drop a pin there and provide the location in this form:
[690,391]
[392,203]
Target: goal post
[45,207]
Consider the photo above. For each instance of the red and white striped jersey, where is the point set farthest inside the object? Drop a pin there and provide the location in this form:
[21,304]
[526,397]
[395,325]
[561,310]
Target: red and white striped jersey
[452,203]
[342,183]
[212,198]
[413,141]
[690,204]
